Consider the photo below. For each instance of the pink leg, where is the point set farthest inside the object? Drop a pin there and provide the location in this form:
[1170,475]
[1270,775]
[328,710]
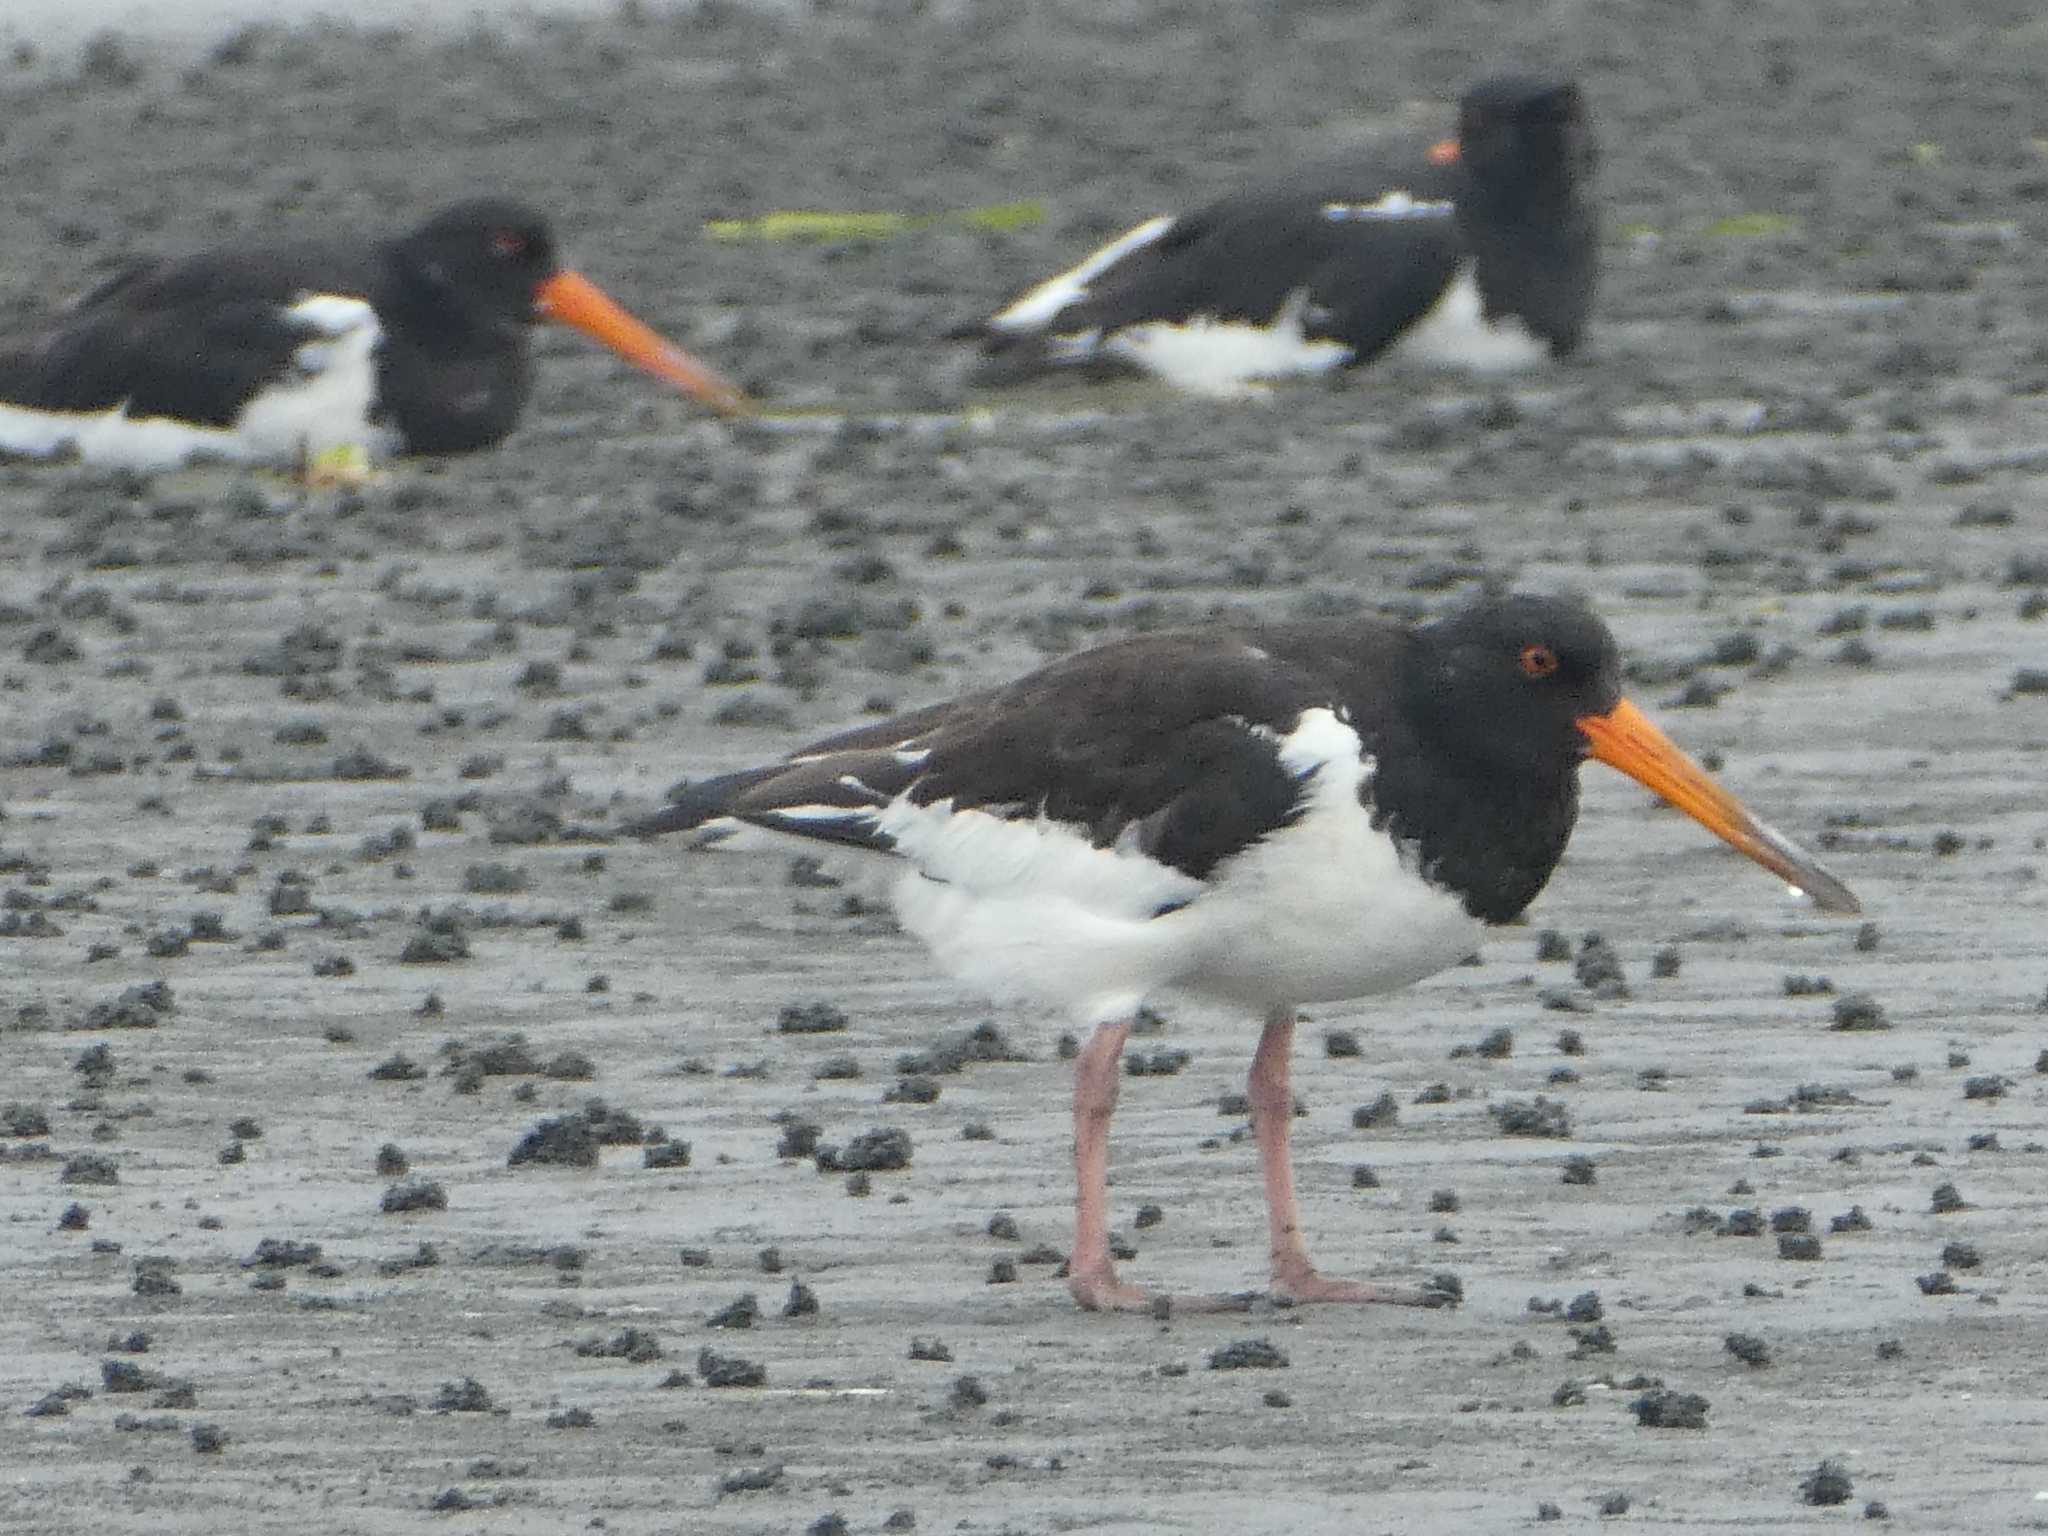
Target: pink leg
[1091,1276]
[1272,1099]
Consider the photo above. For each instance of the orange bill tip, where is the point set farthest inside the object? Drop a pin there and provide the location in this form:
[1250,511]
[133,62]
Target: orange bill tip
[1626,739]
[574,300]
[1444,152]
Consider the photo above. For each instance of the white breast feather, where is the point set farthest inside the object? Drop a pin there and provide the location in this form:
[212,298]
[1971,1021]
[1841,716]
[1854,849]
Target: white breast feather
[1456,334]
[1327,907]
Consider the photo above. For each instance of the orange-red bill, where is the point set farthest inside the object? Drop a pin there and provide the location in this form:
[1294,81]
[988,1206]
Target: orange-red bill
[574,299]
[1625,738]
[1444,152]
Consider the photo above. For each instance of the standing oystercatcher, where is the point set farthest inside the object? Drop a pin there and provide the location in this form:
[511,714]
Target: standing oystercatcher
[1267,817]
[1479,253]
[282,353]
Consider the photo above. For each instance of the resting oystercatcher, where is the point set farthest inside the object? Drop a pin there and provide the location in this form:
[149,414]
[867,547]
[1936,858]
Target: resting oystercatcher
[1480,253]
[281,353]
[1267,817]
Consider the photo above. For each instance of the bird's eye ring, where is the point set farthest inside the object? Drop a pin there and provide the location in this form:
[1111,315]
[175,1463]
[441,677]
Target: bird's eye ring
[1537,660]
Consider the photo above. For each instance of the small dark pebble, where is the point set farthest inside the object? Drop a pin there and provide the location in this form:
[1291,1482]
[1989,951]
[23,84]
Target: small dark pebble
[1664,1409]
[1801,1246]
[1947,1199]
[1859,1010]
[967,1392]
[1363,1177]
[741,1312]
[729,1370]
[1961,1256]
[1940,1283]
[1596,1340]
[1532,1117]
[810,1019]
[465,1396]
[1827,1483]
[1851,1220]
[1579,1170]
[1248,1354]
[414,1195]
[1748,1348]
[1381,1112]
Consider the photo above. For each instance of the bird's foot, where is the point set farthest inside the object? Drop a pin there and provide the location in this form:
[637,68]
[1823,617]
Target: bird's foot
[1099,1290]
[1300,1285]
[344,466]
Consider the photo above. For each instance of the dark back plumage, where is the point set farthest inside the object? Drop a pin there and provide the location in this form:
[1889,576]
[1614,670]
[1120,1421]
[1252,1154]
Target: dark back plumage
[1172,744]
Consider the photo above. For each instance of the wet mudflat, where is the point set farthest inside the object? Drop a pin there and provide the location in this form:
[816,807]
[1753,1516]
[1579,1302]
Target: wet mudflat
[315,919]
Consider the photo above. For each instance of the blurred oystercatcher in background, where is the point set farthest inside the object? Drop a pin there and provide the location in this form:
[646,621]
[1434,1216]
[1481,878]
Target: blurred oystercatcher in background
[1480,252]
[280,353]
[1266,817]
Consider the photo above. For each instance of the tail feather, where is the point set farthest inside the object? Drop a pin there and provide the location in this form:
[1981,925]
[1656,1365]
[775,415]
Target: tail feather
[707,800]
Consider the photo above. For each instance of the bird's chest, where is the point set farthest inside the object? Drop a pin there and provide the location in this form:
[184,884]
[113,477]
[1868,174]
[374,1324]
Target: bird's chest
[450,401]
[1325,908]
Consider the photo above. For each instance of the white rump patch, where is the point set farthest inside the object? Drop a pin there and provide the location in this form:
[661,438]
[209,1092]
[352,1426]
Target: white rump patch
[1030,908]
[322,405]
[1207,356]
[1035,310]
[1395,205]
[1456,334]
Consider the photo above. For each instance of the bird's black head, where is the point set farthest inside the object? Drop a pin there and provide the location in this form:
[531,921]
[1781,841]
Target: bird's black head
[1503,683]
[486,258]
[1518,691]
[1527,133]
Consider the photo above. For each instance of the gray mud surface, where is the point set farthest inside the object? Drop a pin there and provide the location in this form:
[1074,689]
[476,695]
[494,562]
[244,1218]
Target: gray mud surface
[338,772]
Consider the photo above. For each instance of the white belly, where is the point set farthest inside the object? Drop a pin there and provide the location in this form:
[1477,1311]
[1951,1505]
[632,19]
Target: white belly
[1456,334]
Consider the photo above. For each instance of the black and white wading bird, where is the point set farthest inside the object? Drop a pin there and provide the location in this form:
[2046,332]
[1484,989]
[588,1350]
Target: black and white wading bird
[282,353]
[1479,253]
[1267,818]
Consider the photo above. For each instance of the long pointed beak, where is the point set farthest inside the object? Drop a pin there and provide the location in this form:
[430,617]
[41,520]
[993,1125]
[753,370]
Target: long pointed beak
[1445,152]
[1625,738]
[573,299]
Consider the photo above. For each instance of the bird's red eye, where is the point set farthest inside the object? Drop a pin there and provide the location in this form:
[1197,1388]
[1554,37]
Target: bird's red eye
[508,244]
[1538,661]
